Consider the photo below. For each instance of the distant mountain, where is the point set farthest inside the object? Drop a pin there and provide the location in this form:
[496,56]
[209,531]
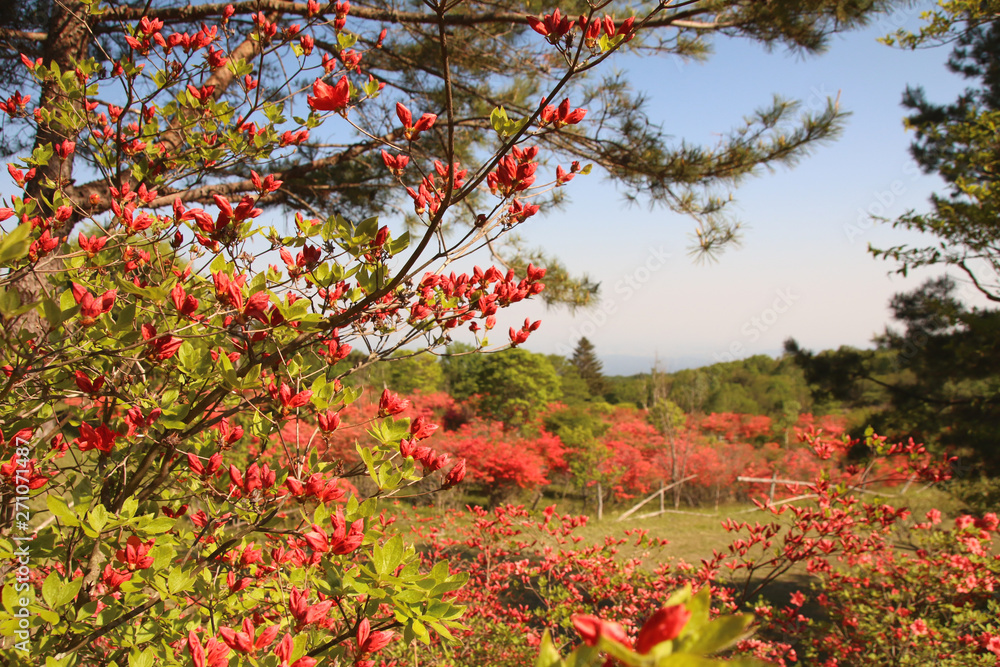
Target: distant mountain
[626,364]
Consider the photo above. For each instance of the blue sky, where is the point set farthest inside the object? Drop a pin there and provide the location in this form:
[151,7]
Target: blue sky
[803,270]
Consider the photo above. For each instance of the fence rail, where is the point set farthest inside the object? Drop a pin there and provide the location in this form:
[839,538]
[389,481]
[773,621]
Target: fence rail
[659,492]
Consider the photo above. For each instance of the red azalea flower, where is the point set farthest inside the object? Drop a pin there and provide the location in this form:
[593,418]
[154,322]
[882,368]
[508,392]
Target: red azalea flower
[665,624]
[391,404]
[592,628]
[330,98]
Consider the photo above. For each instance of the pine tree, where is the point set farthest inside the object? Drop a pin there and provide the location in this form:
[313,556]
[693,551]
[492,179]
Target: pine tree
[957,142]
[590,368]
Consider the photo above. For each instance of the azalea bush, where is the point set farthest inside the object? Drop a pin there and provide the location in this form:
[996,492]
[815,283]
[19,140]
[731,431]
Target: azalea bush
[882,586]
[162,344]
[630,456]
[495,474]
[175,358]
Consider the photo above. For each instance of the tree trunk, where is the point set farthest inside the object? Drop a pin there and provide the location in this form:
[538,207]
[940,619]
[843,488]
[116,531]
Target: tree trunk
[600,502]
[68,41]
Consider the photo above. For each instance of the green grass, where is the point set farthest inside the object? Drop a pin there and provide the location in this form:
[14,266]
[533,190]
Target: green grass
[694,532]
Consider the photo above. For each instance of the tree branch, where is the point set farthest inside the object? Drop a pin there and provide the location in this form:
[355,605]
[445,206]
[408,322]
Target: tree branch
[199,12]
[11,33]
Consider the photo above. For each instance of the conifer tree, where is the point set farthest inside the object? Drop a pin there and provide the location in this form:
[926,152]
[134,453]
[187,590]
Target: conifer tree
[590,368]
[957,142]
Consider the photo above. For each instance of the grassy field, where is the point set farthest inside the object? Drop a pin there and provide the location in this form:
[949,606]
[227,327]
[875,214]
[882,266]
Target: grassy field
[693,533]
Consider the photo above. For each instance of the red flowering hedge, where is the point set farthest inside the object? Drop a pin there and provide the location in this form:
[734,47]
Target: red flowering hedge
[163,346]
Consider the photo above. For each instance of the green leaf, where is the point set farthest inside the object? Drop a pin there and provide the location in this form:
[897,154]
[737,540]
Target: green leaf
[62,512]
[15,245]
[717,635]
[144,659]
[159,525]
[129,507]
[393,551]
[420,631]
[12,599]
[98,518]
[366,229]
[66,302]
[56,593]
[548,654]
[367,508]
[398,245]
[346,40]
[378,560]
[687,660]
[51,312]
[583,656]
[366,456]
[125,319]
[321,514]
[46,615]
[498,119]
[178,580]
[10,301]
[162,555]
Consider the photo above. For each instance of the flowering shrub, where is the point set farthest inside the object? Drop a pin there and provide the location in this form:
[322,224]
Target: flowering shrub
[532,575]
[174,490]
[935,603]
[679,633]
[164,349]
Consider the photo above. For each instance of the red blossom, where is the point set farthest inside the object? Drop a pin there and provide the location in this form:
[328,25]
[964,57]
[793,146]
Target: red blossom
[159,348]
[664,625]
[198,468]
[412,130]
[22,473]
[561,115]
[391,404]
[551,26]
[185,303]
[345,540]
[305,613]
[396,164]
[214,654]
[102,438]
[92,307]
[592,629]
[329,421]
[134,555]
[454,476]
[420,428]
[330,98]
[112,578]
[92,245]
[289,401]
[368,641]
[87,385]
